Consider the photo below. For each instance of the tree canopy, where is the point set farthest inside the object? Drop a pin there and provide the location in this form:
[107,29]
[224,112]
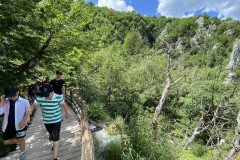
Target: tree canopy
[117,62]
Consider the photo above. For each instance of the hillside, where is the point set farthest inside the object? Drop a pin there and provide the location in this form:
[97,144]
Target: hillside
[201,108]
[121,64]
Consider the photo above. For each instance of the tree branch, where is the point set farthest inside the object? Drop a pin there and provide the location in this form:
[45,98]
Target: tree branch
[174,66]
[35,60]
[156,66]
[179,79]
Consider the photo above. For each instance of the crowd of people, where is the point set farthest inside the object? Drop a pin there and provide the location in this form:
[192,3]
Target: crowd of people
[49,95]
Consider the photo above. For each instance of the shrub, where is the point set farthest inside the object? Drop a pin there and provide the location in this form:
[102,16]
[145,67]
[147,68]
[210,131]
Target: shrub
[141,139]
[116,126]
[199,150]
[113,150]
[96,111]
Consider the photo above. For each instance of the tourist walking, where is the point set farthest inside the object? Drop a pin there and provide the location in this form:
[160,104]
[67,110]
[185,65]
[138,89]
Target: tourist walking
[58,84]
[50,103]
[15,109]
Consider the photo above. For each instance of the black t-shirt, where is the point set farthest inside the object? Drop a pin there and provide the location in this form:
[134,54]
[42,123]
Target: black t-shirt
[30,92]
[57,85]
[11,116]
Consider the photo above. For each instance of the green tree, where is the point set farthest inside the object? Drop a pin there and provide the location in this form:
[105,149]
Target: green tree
[35,33]
[133,43]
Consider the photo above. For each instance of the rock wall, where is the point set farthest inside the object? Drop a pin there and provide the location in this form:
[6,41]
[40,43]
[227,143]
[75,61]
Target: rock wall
[235,56]
[178,45]
[234,60]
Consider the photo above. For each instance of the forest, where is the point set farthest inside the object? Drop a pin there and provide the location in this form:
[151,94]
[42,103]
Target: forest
[171,85]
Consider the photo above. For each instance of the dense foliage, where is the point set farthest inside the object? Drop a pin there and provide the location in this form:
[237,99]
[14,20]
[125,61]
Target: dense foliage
[115,61]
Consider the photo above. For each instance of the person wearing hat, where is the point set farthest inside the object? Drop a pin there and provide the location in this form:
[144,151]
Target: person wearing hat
[15,109]
[58,84]
[51,104]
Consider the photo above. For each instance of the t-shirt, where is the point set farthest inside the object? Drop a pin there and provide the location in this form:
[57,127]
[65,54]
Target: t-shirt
[57,85]
[11,116]
[51,108]
[30,90]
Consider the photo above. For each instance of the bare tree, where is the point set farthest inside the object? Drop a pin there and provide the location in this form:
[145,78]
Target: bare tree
[203,126]
[165,91]
[236,140]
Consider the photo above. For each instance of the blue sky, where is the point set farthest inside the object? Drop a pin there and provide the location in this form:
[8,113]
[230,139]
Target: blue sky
[175,8]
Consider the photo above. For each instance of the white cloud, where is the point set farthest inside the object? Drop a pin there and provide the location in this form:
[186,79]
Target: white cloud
[118,5]
[177,8]
[228,8]
[188,15]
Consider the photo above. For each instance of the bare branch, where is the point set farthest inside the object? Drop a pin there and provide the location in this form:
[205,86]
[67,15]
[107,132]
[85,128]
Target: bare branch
[155,66]
[168,46]
[179,79]
[235,88]
[236,145]
[175,65]
[231,105]
[33,62]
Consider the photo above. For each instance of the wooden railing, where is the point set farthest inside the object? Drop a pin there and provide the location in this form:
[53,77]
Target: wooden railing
[80,107]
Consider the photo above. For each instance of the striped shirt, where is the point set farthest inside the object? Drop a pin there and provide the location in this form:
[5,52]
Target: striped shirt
[51,108]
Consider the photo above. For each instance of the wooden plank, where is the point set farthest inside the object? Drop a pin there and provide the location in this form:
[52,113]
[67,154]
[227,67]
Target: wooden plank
[38,145]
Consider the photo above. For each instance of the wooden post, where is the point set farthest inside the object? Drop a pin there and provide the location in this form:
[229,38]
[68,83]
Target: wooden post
[71,97]
[87,139]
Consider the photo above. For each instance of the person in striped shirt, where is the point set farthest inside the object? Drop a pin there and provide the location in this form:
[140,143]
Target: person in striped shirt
[51,104]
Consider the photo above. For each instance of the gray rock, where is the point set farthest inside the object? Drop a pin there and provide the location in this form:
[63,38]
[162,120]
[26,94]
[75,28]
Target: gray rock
[230,32]
[164,33]
[194,41]
[232,77]
[235,56]
[200,21]
[212,27]
[178,45]
[215,46]
[145,39]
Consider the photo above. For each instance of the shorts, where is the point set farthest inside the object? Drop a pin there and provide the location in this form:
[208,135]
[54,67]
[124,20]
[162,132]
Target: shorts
[11,133]
[54,130]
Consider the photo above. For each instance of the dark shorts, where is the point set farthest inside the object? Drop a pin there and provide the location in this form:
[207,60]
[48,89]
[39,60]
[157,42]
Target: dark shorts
[54,130]
[11,133]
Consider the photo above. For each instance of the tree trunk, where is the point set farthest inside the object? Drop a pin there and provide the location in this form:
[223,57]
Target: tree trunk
[159,108]
[236,141]
[164,93]
[196,132]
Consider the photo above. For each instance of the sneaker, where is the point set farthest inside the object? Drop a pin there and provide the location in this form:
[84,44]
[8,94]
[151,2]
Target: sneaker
[55,159]
[23,156]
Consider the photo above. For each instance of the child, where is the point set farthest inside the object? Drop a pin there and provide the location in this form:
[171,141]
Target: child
[51,104]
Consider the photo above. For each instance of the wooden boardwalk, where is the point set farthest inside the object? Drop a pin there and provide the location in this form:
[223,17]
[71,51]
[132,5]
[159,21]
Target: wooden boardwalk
[37,143]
